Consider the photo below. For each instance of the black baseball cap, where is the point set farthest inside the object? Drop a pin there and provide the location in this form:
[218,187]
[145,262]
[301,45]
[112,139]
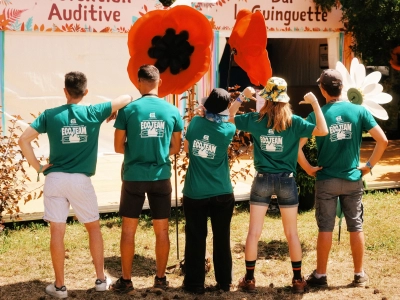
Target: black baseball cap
[331,77]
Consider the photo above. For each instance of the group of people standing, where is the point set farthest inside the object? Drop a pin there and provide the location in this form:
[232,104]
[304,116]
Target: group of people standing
[148,130]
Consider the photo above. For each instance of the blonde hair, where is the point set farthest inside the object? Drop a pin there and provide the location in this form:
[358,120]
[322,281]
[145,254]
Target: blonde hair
[279,115]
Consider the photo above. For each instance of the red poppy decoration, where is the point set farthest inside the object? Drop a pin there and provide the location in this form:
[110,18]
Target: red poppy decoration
[177,42]
[249,42]
[395,61]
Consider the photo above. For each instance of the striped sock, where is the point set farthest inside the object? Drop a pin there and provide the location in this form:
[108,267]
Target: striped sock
[296,266]
[250,265]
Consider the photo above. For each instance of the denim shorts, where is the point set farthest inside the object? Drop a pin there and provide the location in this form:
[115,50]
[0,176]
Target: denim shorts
[327,193]
[283,185]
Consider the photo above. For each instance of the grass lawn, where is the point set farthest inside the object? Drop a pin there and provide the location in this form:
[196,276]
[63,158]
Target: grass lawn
[25,264]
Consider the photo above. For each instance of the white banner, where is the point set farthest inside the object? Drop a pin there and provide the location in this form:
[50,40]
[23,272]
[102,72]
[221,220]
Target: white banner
[119,15]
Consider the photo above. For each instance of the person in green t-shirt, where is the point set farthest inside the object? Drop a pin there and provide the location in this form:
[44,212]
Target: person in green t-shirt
[147,132]
[276,133]
[73,132]
[208,192]
[339,175]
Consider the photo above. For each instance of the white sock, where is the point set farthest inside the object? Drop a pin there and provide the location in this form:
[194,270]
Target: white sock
[362,274]
[318,276]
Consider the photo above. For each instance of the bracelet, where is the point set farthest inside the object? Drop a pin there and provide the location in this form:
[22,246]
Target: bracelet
[40,171]
[368,164]
[245,98]
[239,100]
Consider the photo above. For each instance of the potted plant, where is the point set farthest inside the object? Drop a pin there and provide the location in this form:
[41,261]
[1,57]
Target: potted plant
[306,183]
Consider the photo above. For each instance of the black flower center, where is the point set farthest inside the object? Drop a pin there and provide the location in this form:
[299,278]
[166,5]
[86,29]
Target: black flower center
[171,50]
[167,3]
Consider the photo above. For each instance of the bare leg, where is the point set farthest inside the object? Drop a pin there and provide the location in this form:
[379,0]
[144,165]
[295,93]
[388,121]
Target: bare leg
[289,221]
[127,245]
[324,244]
[257,214]
[96,247]
[57,250]
[160,227]
[357,249]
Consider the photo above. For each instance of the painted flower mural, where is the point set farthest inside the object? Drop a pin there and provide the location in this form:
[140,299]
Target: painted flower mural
[177,42]
[248,41]
[364,90]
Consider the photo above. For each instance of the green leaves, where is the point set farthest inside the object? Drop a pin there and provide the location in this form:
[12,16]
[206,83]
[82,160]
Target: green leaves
[373,24]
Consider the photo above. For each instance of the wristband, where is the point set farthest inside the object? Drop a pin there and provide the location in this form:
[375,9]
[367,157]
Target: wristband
[368,164]
[40,171]
[244,97]
[239,100]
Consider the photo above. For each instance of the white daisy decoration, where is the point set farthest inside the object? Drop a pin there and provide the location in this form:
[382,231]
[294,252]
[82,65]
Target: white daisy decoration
[364,90]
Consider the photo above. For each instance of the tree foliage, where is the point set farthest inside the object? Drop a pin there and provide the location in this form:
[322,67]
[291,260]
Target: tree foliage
[13,176]
[304,181]
[373,23]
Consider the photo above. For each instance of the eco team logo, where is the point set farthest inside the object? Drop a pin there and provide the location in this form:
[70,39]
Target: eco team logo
[340,131]
[271,143]
[73,133]
[152,127]
[204,148]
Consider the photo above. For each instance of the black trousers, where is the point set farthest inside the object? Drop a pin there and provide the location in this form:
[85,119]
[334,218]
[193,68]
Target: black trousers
[197,211]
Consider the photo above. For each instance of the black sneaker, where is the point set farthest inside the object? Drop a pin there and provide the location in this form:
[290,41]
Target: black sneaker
[198,290]
[161,283]
[317,282]
[360,281]
[122,286]
[219,287]
[224,287]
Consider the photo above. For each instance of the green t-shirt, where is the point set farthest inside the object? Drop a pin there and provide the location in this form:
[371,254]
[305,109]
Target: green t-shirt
[208,172]
[149,123]
[73,132]
[339,151]
[274,152]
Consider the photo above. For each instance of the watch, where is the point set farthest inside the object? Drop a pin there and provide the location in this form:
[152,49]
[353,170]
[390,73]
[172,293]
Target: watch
[368,164]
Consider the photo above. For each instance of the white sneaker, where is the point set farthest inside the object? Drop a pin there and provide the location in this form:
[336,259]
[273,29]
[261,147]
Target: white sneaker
[56,292]
[102,285]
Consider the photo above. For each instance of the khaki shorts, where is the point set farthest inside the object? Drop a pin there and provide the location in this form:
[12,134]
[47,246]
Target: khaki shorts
[327,193]
[64,189]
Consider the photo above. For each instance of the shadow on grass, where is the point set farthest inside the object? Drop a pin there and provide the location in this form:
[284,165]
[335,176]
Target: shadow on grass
[142,266]
[273,250]
[35,289]
[276,250]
